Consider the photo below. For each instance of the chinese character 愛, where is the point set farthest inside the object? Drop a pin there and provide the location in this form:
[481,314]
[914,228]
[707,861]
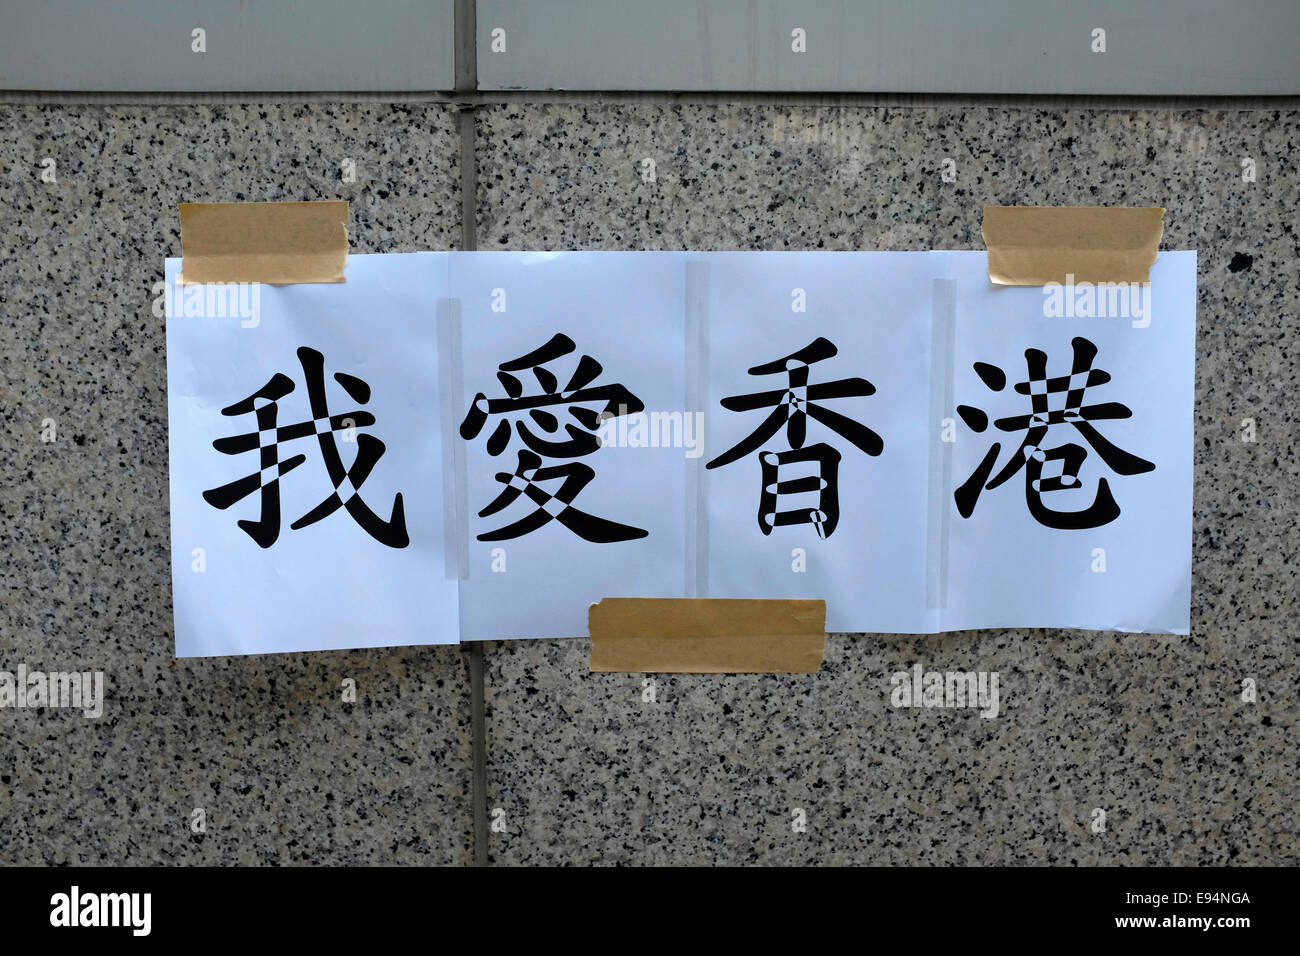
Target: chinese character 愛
[532,428]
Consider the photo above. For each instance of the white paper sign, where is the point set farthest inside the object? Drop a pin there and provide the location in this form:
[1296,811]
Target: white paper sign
[306,474]
[481,445]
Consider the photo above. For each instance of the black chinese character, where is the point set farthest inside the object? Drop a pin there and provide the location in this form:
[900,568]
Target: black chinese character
[1032,456]
[582,440]
[792,406]
[264,404]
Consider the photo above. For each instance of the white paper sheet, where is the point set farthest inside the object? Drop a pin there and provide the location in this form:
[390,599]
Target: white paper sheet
[621,312]
[331,583]
[864,414]
[1126,566]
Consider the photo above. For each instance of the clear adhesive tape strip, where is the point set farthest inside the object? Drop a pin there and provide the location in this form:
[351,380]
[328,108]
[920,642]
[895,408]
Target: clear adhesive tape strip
[943,330]
[697,400]
[451,379]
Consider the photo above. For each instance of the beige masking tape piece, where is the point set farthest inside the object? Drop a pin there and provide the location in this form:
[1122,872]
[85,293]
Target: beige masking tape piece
[707,636]
[276,242]
[1035,245]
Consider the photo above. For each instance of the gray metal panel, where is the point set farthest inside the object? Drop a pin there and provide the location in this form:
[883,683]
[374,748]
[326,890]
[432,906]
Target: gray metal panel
[1160,47]
[257,45]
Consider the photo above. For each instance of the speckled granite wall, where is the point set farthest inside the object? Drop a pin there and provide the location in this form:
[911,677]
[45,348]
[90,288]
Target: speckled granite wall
[1150,729]
[284,771]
